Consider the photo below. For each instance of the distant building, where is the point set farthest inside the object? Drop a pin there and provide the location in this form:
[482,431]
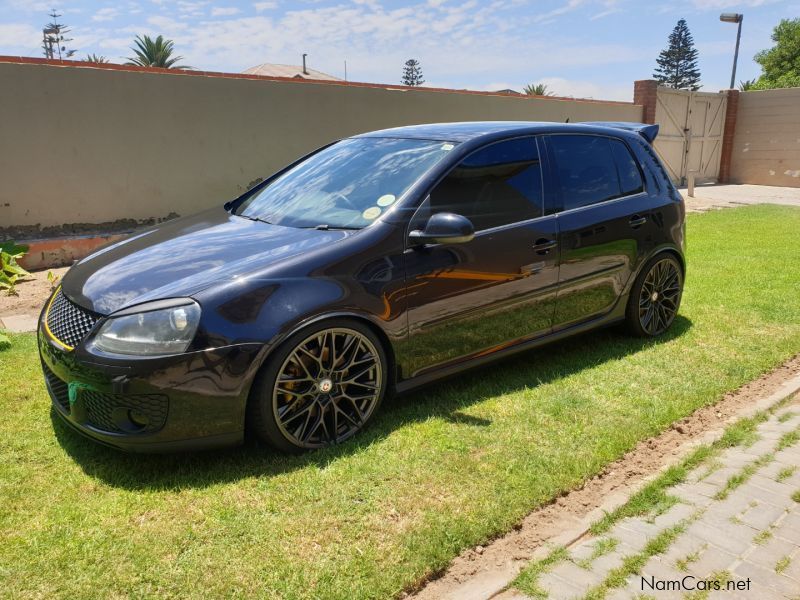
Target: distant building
[509,92]
[291,71]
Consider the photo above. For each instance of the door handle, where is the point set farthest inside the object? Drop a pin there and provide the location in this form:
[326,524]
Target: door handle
[637,221]
[543,245]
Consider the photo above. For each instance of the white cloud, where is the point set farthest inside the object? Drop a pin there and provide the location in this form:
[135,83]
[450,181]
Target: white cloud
[165,24]
[262,6]
[587,89]
[226,11]
[570,88]
[557,12]
[19,35]
[105,14]
[719,4]
[29,5]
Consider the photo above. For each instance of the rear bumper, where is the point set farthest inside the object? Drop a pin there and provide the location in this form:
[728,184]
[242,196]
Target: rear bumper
[185,402]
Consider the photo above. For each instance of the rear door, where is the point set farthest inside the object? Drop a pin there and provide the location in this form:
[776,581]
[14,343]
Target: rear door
[472,298]
[604,222]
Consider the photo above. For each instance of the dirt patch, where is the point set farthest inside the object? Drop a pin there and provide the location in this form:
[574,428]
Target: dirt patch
[31,295]
[507,554]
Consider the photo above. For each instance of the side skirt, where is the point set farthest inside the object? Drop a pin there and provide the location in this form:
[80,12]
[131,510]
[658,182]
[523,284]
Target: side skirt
[407,385]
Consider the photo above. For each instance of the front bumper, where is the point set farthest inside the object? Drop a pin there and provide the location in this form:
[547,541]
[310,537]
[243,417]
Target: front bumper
[190,401]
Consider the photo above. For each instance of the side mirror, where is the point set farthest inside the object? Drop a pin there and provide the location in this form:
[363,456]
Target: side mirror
[444,228]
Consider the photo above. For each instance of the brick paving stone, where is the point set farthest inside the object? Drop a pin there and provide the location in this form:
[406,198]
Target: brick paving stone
[761,517]
[634,540]
[685,545]
[793,570]
[558,588]
[577,576]
[689,493]
[640,526]
[791,455]
[763,594]
[789,527]
[674,515]
[765,579]
[735,457]
[758,494]
[606,563]
[722,534]
[772,470]
[584,550]
[720,477]
[759,448]
[782,491]
[660,568]
[711,560]
[734,505]
[770,552]
[726,535]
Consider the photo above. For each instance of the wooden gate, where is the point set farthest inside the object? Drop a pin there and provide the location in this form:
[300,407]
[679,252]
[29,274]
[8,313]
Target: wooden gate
[691,125]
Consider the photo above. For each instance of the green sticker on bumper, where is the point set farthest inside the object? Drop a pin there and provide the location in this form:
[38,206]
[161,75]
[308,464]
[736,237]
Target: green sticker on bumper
[72,390]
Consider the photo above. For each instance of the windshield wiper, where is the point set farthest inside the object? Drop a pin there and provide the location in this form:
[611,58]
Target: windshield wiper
[326,227]
[257,219]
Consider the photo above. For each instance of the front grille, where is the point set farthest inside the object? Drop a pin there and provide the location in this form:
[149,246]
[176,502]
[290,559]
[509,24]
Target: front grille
[59,389]
[68,322]
[109,412]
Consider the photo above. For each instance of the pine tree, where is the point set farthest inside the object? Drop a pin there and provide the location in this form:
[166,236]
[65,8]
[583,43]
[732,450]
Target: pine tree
[677,64]
[412,73]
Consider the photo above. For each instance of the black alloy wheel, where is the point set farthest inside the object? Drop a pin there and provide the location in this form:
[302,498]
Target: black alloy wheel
[323,387]
[655,297]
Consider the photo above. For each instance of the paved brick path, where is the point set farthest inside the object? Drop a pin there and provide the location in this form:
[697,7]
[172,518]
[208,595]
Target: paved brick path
[736,520]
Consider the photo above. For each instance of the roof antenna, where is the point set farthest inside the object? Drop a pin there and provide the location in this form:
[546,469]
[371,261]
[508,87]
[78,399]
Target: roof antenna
[567,121]
[305,71]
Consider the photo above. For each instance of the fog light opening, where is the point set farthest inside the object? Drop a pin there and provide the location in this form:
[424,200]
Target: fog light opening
[138,418]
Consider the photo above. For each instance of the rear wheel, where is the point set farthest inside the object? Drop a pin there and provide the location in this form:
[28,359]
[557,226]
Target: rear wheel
[321,387]
[655,297]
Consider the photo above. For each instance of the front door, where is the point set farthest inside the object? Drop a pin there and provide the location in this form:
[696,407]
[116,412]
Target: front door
[472,298]
[604,224]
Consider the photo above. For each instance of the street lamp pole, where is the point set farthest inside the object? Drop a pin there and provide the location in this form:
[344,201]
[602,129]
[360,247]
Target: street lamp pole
[734,18]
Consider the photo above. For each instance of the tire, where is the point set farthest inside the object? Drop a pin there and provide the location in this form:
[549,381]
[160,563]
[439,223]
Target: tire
[655,297]
[333,376]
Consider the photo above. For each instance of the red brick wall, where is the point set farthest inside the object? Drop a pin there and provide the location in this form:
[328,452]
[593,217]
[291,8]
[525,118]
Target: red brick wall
[727,137]
[645,92]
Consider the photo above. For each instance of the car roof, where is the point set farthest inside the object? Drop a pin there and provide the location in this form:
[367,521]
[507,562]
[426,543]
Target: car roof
[477,130]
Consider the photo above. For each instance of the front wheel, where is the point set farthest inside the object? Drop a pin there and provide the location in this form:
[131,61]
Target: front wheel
[655,297]
[321,387]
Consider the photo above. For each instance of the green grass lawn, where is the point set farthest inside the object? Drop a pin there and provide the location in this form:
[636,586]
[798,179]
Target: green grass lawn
[443,469]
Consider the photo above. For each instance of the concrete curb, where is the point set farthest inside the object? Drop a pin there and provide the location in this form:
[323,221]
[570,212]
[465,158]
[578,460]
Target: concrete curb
[19,323]
[495,582]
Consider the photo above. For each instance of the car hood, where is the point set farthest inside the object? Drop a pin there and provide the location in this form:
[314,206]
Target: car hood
[183,257]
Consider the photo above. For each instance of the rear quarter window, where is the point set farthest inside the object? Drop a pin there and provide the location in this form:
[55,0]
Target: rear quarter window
[586,169]
[630,177]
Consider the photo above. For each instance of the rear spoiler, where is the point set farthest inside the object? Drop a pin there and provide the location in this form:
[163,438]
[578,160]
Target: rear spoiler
[648,132]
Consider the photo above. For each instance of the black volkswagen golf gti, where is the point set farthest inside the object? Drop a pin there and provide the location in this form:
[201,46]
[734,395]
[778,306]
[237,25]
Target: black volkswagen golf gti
[371,266]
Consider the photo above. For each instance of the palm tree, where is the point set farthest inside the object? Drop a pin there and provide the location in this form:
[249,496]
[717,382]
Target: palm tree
[155,53]
[537,89]
[94,58]
[747,85]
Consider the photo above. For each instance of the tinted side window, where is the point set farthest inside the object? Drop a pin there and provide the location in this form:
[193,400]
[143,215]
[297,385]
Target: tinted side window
[497,185]
[586,169]
[630,178]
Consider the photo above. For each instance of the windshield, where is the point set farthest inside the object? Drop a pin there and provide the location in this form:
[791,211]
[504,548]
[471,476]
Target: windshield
[348,185]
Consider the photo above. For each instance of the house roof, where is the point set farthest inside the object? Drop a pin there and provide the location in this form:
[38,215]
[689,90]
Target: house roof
[293,71]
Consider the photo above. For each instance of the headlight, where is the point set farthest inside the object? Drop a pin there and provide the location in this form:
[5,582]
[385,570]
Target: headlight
[149,332]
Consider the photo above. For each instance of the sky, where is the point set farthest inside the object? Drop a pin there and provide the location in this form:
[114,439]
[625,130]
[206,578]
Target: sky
[582,48]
